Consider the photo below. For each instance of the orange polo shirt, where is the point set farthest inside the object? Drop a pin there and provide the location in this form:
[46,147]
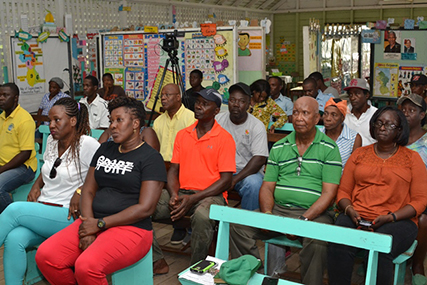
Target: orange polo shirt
[376,186]
[202,160]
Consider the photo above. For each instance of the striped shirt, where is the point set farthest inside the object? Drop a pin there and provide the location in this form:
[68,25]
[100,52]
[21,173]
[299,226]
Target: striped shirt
[345,142]
[320,163]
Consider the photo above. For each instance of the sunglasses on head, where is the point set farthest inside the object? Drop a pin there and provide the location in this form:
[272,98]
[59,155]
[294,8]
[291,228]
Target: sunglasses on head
[53,170]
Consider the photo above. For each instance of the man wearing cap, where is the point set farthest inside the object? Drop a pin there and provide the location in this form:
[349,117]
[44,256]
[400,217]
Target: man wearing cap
[251,145]
[202,166]
[18,161]
[97,107]
[418,85]
[360,111]
[311,89]
[55,93]
[296,187]
[276,85]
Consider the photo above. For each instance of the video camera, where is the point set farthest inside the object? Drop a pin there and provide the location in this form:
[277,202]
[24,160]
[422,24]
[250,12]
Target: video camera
[170,43]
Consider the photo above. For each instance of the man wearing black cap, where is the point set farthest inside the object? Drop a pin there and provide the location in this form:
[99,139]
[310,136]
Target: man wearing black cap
[418,85]
[251,145]
[202,166]
[55,93]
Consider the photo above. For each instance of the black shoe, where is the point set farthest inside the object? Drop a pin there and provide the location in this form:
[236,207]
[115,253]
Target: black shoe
[178,236]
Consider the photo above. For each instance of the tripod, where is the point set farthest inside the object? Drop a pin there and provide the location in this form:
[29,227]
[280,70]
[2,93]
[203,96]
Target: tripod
[177,78]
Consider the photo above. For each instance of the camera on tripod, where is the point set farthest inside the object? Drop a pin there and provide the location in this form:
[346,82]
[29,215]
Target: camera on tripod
[170,43]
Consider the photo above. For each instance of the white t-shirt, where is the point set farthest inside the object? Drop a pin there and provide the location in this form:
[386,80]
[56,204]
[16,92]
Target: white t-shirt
[250,138]
[361,125]
[60,189]
[98,112]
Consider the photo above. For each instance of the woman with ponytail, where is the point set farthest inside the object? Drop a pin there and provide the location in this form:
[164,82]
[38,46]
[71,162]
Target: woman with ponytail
[54,197]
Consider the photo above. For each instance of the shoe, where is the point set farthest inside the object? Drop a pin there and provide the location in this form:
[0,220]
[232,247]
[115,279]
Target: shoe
[187,239]
[178,236]
[160,267]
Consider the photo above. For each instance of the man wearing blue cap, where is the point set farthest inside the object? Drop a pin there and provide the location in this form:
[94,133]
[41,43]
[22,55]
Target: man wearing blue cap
[202,166]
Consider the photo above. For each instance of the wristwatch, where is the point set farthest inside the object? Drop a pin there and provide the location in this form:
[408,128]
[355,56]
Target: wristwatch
[79,191]
[101,224]
[303,218]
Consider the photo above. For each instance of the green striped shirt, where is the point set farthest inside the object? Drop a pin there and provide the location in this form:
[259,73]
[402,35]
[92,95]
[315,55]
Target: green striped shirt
[321,162]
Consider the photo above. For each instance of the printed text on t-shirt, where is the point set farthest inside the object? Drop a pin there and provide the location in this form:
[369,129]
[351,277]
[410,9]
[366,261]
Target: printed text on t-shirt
[114,166]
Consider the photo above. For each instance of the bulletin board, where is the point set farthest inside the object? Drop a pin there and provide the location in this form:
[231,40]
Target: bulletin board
[34,64]
[137,60]
[394,65]
[251,54]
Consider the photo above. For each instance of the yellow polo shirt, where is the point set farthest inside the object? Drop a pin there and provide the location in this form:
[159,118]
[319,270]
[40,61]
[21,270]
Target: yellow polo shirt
[17,134]
[167,128]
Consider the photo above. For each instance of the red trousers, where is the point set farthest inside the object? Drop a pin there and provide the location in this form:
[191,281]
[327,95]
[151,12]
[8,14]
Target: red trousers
[62,262]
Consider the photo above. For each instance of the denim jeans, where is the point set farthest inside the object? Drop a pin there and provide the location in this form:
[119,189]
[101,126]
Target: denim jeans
[25,224]
[12,179]
[341,257]
[248,189]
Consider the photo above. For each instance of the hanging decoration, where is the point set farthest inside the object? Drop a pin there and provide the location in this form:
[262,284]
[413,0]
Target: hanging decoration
[43,36]
[63,36]
[23,36]
[338,31]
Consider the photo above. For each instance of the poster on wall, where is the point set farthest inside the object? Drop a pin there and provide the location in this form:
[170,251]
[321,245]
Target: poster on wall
[133,50]
[155,87]
[392,46]
[405,75]
[29,68]
[409,51]
[134,82]
[118,75]
[200,54]
[386,79]
[113,51]
[250,41]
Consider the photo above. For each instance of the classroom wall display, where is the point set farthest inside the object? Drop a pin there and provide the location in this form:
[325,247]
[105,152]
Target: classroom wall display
[29,61]
[409,61]
[118,75]
[251,54]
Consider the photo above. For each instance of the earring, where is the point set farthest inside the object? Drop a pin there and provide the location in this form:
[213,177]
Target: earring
[134,130]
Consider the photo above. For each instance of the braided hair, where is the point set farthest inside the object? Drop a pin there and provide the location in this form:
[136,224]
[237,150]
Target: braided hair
[74,109]
[135,107]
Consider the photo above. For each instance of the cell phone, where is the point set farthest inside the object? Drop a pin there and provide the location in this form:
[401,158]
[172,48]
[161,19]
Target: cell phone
[270,281]
[202,266]
[51,204]
[364,223]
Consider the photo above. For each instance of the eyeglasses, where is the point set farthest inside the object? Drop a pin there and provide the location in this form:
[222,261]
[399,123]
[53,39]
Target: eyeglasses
[167,95]
[387,126]
[53,170]
[298,170]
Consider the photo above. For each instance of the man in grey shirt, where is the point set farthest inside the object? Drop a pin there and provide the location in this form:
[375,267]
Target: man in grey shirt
[321,84]
[251,145]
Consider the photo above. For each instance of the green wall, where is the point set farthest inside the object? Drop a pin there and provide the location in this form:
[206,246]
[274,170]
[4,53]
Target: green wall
[289,25]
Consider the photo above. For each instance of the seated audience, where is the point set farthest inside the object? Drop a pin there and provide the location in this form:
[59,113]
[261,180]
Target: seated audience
[335,128]
[321,84]
[202,166]
[383,183]
[18,161]
[109,91]
[311,89]
[189,97]
[57,189]
[251,145]
[360,110]
[120,193]
[55,93]
[276,86]
[413,107]
[98,113]
[296,188]
[264,108]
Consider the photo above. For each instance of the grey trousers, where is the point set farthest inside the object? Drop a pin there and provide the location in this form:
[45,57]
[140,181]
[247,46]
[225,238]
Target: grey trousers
[312,256]
[203,228]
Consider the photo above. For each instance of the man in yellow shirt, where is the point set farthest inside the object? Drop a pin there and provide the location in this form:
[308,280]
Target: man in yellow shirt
[17,154]
[167,125]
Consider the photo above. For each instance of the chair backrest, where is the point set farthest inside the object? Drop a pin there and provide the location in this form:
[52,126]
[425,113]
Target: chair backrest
[373,242]
[45,131]
[95,133]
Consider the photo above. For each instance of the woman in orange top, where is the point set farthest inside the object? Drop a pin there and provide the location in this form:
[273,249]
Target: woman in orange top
[383,184]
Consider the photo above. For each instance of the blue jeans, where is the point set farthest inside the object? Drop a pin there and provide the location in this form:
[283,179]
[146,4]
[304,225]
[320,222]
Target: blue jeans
[248,189]
[341,257]
[25,224]
[12,179]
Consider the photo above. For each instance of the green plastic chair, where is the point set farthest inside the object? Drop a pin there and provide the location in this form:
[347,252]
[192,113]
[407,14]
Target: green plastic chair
[140,273]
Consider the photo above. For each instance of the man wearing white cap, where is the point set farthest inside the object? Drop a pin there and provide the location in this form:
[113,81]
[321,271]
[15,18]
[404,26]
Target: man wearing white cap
[202,166]
[360,111]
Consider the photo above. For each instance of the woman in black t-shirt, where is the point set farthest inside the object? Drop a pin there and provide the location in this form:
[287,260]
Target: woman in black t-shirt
[120,194]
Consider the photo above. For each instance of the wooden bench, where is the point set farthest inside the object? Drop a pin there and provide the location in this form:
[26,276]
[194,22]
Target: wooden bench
[373,242]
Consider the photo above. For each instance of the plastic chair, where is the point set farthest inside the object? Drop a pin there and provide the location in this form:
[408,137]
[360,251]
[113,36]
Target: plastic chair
[140,273]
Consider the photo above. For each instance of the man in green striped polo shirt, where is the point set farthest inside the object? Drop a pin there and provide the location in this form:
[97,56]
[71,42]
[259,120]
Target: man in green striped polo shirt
[301,181]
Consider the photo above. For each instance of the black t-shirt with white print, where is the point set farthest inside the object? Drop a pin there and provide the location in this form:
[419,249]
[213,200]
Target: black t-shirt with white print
[119,177]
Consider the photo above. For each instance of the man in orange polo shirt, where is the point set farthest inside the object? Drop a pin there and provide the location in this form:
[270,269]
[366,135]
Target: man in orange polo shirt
[202,166]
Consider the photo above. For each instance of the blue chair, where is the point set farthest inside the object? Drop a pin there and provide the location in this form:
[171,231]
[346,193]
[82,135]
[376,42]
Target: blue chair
[140,273]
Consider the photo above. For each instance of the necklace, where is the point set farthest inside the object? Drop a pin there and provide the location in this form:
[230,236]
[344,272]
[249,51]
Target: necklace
[390,155]
[120,147]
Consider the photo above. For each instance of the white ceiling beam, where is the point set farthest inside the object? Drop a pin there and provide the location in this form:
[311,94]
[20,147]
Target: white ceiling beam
[236,3]
[251,4]
[277,6]
[266,4]
[220,2]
